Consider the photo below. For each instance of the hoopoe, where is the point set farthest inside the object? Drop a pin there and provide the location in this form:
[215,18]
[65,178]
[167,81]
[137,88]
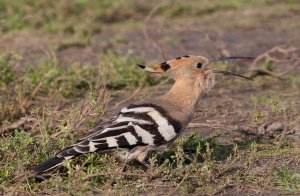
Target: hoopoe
[152,124]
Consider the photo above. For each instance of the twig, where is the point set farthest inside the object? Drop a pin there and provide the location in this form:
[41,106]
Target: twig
[219,45]
[19,123]
[255,130]
[25,103]
[75,44]
[222,188]
[87,107]
[257,72]
[270,56]
[267,55]
[181,182]
[194,162]
[156,44]
[128,98]
[121,173]
[229,169]
[215,126]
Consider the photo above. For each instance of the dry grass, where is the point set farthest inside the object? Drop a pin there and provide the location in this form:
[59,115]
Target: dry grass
[53,118]
[249,141]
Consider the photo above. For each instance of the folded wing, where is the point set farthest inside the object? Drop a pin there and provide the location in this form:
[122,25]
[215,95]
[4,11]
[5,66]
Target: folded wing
[135,125]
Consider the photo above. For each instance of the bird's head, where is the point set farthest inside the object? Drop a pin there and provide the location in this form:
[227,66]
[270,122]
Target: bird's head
[192,68]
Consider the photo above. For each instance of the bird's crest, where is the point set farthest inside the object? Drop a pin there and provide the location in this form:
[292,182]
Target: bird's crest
[169,65]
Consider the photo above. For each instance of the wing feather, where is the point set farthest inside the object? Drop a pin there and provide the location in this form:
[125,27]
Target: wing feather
[135,125]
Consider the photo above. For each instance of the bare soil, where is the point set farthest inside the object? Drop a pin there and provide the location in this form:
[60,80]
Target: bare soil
[235,110]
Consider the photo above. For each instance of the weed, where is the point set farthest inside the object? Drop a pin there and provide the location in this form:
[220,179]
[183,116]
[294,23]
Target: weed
[65,102]
[287,179]
[122,71]
[6,73]
[63,17]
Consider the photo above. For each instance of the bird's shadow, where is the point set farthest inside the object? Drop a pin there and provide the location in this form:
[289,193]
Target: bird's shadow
[194,147]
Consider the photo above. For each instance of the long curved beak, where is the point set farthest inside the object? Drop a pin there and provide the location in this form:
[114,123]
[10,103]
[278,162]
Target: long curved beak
[228,72]
[231,74]
[229,58]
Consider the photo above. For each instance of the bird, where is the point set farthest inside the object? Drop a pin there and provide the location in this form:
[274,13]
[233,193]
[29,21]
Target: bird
[151,124]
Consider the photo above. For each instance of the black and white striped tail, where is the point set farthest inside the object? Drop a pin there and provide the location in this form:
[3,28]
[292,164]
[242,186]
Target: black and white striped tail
[135,125]
[48,165]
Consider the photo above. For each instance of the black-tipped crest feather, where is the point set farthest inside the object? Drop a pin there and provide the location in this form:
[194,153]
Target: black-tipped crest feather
[141,66]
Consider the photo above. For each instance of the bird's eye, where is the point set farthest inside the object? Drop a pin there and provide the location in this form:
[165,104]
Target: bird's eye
[199,65]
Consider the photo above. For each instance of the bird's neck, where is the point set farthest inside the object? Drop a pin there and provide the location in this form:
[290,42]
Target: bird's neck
[186,95]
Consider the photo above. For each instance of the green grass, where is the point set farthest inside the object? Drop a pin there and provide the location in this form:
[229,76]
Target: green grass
[287,179]
[68,99]
[202,169]
[122,71]
[55,83]
[63,16]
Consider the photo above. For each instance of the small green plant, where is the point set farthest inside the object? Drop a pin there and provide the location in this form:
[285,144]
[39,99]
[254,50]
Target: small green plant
[6,72]
[122,71]
[289,180]
[269,66]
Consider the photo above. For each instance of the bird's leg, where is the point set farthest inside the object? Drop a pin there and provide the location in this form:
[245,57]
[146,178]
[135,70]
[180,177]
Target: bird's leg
[160,151]
[144,154]
[125,157]
[149,167]
[138,153]
[146,164]
[124,166]
[121,170]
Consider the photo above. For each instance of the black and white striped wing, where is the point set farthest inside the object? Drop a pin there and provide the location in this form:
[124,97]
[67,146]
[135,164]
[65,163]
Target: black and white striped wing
[135,125]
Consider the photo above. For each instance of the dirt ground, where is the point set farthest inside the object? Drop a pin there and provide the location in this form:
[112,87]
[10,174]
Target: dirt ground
[236,110]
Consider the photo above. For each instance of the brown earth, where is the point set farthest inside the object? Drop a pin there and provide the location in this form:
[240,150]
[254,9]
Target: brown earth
[233,102]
